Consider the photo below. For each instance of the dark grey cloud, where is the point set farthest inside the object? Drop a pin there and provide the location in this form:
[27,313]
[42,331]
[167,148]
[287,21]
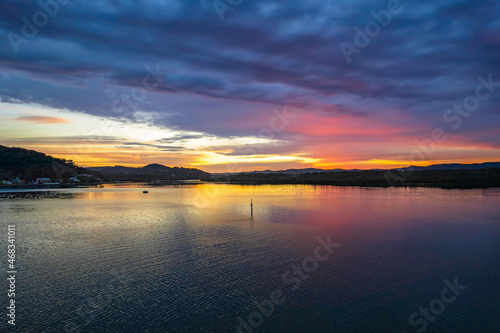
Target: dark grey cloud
[218,77]
[135,145]
[179,138]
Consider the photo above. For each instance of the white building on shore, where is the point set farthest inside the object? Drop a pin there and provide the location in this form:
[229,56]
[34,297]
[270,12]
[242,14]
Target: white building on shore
[43,180]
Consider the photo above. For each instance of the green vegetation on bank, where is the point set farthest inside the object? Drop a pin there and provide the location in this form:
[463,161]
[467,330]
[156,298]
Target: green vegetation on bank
[29,165]
[459,178]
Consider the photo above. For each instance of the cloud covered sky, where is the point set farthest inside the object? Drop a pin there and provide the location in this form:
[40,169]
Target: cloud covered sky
[136,82]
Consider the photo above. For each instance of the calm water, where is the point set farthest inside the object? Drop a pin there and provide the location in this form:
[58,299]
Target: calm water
[192,259]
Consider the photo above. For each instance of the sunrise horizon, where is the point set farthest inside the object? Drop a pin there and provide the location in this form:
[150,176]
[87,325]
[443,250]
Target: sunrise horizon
[93,141]
[231,168]
[221,166]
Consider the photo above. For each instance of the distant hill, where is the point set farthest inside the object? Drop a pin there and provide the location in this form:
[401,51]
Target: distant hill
[298,171]
[289,171]
[451,178]
[455,175]
[454,166]
[30,165]
[151,172]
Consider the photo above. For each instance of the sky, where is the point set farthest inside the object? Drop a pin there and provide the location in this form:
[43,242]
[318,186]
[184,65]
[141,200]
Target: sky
[241,85]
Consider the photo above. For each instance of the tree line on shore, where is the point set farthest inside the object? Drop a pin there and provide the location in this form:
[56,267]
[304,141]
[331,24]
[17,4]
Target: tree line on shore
[459,178]
[29,165]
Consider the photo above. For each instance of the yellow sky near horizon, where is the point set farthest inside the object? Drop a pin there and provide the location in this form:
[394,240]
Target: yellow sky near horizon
[95,141]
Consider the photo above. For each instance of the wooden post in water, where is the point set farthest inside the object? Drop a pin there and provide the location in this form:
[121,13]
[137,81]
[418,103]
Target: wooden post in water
[251,207]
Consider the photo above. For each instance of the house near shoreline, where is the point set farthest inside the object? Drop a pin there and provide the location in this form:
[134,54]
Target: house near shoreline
[43,180]
[15,181]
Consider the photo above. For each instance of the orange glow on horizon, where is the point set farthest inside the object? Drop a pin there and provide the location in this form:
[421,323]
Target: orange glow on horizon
[313,141]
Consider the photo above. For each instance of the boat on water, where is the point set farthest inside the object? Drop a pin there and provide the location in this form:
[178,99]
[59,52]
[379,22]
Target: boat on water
[145,191]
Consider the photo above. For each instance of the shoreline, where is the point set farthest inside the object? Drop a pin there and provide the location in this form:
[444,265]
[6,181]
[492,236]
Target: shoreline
[41,186]
[419,185]
[36,195]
